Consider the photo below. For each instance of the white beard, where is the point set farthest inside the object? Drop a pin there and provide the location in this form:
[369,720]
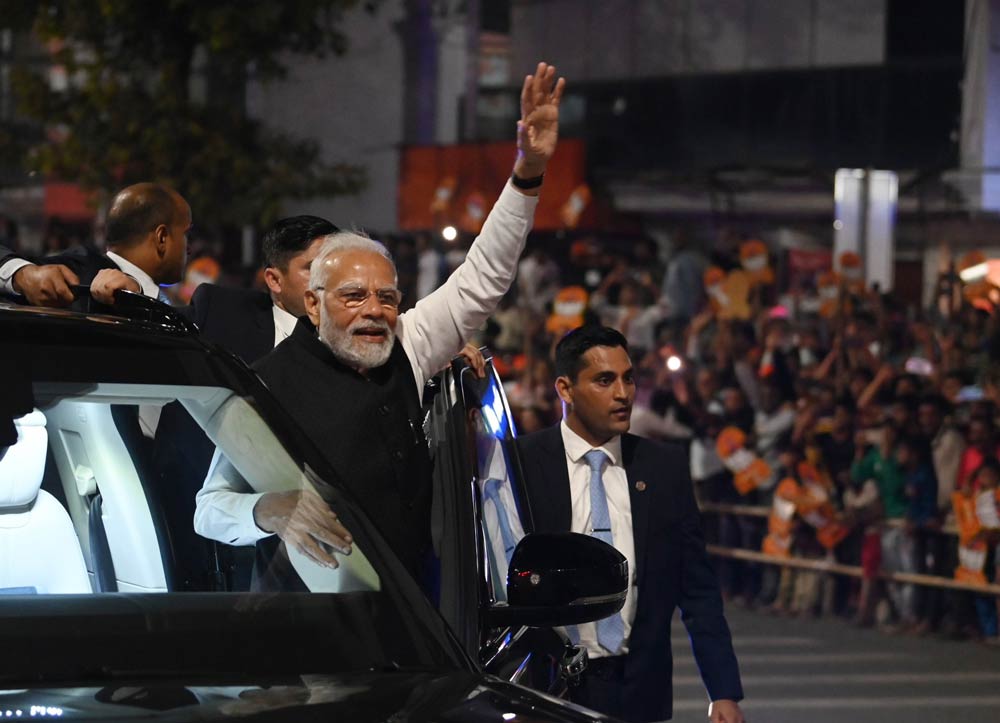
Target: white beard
[351,351]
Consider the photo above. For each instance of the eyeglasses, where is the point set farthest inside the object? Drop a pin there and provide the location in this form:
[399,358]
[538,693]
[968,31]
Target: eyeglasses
[353,297]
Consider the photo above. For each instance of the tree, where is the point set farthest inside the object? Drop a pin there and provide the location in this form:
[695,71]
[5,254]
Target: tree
[156,91]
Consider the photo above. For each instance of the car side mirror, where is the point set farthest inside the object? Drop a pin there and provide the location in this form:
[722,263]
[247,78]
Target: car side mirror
[561,578]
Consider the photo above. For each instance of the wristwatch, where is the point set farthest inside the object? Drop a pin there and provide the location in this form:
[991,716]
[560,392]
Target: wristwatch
[526,184]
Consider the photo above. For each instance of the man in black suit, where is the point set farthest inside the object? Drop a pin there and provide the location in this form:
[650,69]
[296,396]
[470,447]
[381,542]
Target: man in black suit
[147,247]
[250,323]
[588,475]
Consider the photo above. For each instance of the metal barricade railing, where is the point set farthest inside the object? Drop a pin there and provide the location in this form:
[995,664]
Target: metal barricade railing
[830,566]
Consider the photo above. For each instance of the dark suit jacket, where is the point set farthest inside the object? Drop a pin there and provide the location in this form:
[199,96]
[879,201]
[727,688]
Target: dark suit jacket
[241,322]
[7,254]
[84,262]
[672,567]
[238,320]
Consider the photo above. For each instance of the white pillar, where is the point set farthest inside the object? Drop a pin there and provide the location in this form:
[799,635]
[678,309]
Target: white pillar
[980,142]
[865,208]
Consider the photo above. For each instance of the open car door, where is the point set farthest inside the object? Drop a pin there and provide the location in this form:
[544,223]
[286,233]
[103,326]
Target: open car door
[481,513]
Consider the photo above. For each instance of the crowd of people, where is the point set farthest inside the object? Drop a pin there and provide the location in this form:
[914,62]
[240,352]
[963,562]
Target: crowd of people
[865,432]
[847,427]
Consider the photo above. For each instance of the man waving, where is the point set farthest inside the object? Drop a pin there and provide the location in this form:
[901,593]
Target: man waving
[353,371]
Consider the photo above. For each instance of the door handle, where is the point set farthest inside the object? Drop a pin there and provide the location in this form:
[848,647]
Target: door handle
[573,664]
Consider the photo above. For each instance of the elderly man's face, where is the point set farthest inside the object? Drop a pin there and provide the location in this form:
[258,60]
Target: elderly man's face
[356,308]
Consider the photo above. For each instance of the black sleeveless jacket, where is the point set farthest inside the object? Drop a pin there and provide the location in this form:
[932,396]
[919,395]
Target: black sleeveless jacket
[370,429]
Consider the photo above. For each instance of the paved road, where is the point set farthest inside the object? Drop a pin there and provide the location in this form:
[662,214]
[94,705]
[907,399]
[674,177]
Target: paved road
[827,671]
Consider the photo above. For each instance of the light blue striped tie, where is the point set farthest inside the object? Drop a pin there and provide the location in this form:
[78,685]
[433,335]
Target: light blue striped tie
[610,631]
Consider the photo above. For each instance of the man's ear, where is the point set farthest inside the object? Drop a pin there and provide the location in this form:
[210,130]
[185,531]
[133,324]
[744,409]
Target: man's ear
[564,388]
[313,301]
[160,235]
[273,279]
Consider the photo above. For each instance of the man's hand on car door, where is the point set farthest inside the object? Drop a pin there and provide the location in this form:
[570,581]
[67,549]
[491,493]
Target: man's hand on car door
[304,522]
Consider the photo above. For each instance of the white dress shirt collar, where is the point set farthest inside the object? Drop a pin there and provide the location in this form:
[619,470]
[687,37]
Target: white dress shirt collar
[284,324]
[576,446]
[146,283]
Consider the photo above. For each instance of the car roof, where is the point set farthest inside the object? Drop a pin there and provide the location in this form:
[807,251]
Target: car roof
[149,320]
[149,342]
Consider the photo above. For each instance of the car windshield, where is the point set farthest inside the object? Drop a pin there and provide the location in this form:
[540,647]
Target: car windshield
[102,571]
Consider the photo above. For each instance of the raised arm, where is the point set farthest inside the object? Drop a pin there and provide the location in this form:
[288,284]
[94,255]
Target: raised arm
[437,327]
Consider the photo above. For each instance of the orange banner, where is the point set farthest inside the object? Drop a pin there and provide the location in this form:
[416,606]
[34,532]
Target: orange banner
[68,201]
[437,184]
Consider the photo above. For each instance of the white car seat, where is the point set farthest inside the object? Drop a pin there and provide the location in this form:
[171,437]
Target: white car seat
[39,550]
[91,457]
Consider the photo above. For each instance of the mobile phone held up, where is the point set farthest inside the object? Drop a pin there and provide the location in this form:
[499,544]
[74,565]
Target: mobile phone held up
[919,366]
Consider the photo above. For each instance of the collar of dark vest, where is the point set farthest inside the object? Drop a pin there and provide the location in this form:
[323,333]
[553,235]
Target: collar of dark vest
[307,336]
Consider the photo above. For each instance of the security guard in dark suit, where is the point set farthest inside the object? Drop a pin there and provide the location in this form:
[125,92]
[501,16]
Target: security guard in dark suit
[588,475]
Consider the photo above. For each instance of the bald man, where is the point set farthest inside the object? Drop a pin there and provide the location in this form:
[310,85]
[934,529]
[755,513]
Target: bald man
[146,247]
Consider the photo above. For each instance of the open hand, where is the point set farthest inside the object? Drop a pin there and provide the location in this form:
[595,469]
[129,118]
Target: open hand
[305,522]
[538,129]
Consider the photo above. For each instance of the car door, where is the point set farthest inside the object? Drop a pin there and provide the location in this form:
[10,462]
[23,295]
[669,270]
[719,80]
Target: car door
[481,511]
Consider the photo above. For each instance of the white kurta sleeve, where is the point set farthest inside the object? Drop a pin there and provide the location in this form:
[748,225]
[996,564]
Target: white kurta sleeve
[224,506]
[434,330]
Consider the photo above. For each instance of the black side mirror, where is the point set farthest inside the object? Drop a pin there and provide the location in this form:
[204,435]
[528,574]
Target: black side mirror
[562,578]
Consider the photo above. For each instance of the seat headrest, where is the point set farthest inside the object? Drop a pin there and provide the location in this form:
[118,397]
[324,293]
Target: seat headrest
[31,419]
[23,465]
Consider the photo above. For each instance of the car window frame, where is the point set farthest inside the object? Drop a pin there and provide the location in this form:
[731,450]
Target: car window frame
[73,348]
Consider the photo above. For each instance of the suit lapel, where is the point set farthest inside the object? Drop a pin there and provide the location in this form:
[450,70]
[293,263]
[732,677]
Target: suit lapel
[639,482]
[262,340]
[558,512]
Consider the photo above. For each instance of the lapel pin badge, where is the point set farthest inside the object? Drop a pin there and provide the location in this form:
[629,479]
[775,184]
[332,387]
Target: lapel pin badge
[640,486]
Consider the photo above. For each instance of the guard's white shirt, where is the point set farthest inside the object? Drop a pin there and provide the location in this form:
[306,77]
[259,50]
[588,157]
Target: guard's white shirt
[284,324]
[620,508]
[145,281]
[431,333]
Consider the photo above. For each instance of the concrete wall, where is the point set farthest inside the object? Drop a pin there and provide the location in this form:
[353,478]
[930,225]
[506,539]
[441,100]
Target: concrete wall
[351,105]
[595,40]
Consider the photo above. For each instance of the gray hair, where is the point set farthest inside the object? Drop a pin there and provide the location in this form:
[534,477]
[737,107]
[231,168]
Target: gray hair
[339,242]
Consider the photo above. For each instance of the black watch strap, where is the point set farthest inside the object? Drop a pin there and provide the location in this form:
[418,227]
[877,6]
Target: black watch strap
[526,184]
